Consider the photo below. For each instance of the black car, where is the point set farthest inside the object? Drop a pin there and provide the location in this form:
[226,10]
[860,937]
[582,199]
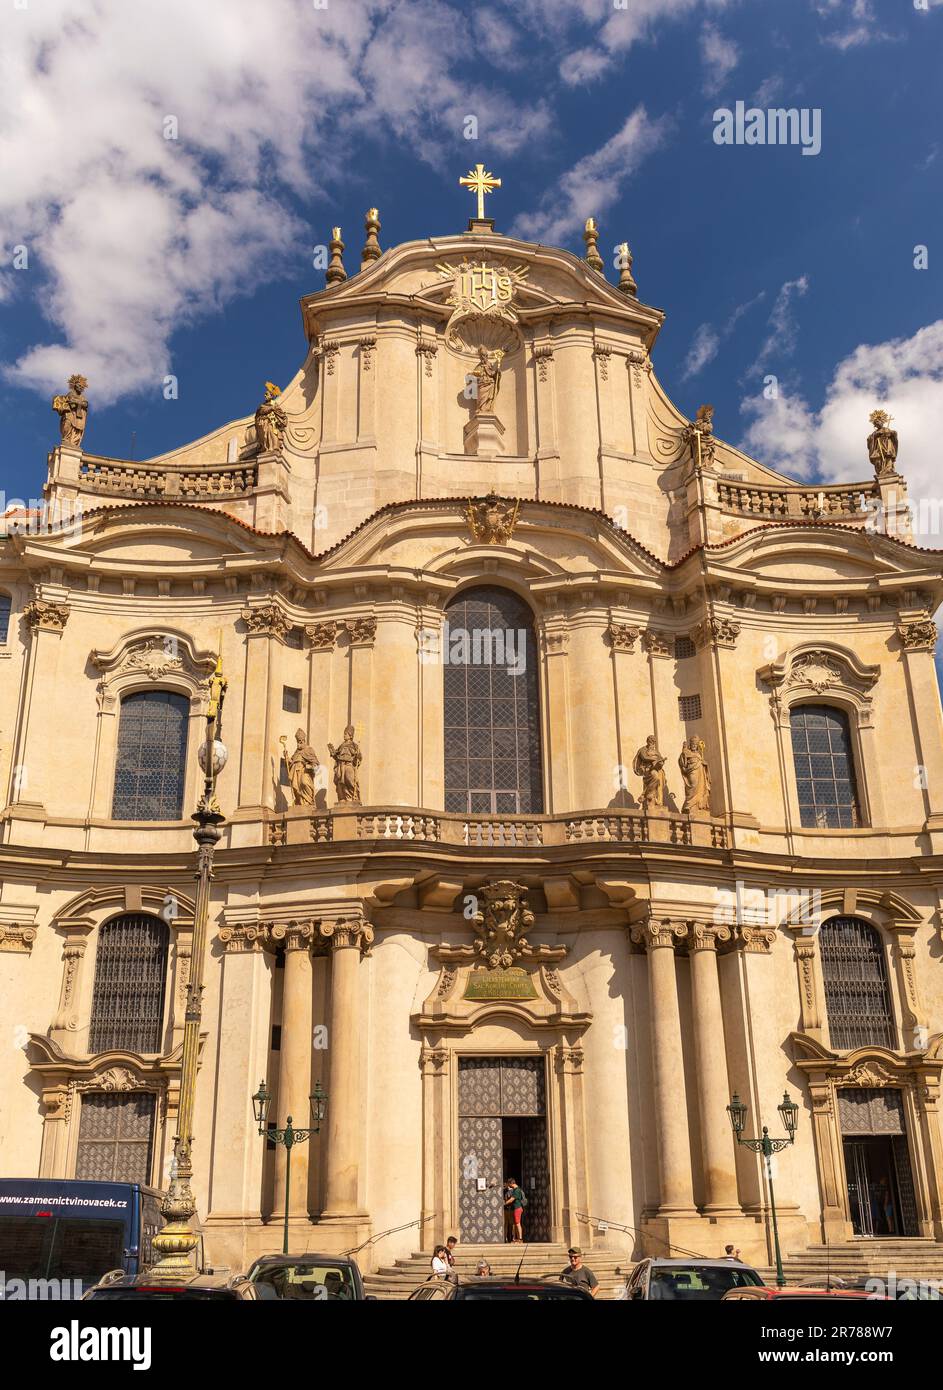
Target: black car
[188,1289]
[513,1290]
[308,1278]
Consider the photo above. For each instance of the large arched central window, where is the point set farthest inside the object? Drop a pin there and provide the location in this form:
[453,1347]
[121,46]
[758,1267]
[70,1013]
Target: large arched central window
[130,978]
[152,748]
[856,994]
[492,712]
[825,770]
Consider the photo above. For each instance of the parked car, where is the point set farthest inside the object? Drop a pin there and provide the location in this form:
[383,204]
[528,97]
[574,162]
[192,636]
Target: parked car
[687,1281]
[901,1289]
[191,1288]
[490,1290]
[798,1293]
[308,1278]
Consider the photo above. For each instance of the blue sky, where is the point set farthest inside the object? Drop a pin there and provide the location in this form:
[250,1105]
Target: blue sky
[149,256]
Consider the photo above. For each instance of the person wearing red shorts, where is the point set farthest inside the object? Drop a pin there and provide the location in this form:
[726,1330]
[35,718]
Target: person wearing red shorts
[516,1201]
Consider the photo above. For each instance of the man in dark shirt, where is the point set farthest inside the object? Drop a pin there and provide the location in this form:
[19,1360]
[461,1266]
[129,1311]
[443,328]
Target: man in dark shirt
[577,1274]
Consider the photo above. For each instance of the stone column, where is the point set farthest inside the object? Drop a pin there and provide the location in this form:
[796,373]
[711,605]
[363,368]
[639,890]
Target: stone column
[67,1023]
[237,1156]
[46,624]
[918,637]
[720,1173]
[556,704]
[265,623]
[671,1119]
[362,634]
[436,1144]
[294,1068]
[348,939]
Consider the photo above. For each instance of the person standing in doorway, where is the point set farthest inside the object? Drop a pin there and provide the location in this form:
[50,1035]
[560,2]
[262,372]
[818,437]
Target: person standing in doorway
[516,1201]
[577,1274]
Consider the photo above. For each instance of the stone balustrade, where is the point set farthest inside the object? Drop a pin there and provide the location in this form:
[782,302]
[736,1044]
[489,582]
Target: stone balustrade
[141,480]
[833,503]
[358,823]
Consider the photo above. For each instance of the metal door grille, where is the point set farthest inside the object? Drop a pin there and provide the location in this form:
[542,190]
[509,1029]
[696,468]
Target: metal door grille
[492,715]
[130,978]
[856,993]
[116,1136]
[152,748]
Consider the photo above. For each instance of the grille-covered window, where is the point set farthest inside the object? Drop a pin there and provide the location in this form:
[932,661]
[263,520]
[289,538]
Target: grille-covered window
[825,772]
[689,708]
[116,1136]
[152,750]
[4,617]
[684,648]
[130,977]
[856,993]
[492,714]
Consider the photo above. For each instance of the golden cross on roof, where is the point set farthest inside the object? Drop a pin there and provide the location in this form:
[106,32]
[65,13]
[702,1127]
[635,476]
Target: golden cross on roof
[478,181]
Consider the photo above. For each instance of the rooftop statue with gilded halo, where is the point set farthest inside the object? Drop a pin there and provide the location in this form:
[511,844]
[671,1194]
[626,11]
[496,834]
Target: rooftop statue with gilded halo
[347,759]
[73,412]
[882,443]
[302,768]
[270,421]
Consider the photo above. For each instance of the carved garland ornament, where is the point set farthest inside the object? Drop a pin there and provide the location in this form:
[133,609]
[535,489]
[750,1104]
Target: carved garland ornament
[502,924]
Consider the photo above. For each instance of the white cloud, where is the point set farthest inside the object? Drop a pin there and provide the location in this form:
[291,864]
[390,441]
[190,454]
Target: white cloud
[703,349]
[707,339]
[593,184]
[719,56]
[780,341]
[130,234]
[902,375]
[858,23]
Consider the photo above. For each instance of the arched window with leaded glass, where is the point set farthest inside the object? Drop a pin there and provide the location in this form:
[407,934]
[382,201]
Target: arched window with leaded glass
[130,984]
[152,751]
[492,712]
[857,998]
[825,769]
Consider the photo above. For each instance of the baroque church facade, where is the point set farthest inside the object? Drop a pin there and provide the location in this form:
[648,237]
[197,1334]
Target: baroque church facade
[582,772]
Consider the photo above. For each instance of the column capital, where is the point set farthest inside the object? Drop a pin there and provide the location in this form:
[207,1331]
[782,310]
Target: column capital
[755,940]
[704,936]
[322,637]
[346,933]
[266,620]
[43,616]
[294,936]
[659,932]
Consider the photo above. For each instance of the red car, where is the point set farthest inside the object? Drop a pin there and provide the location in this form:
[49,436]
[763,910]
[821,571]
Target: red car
[767,1292]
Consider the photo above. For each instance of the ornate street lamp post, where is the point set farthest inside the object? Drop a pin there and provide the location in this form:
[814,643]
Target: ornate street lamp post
[289,1136]
[789,1111]
[176,1241]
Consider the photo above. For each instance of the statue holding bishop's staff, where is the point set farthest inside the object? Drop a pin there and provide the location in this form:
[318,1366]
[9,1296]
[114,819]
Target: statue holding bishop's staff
[302,768]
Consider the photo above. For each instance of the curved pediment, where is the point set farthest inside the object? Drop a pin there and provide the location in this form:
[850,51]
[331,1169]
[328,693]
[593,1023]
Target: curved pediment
[161,534]
[808,553]
[542,541]
[499,275]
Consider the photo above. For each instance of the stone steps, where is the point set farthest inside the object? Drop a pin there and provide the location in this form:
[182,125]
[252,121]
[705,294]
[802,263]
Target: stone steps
[398,1281]
[911,1259]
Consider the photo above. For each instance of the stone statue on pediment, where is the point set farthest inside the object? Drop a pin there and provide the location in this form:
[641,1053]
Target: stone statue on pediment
[882,443]
[699,436]
[270,421]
